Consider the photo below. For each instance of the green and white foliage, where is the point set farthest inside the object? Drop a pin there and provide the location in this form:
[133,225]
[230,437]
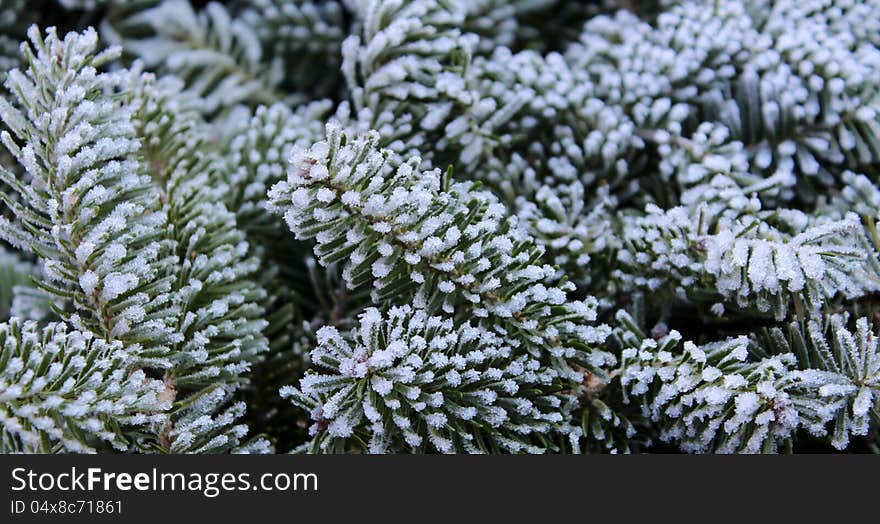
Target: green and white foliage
[443,247]
[68,391]
[249,52]
[218,55]
[416,219]
[817,84]
[749,263]
[409,381]
[710,397]
[217,311]
[714,397]
[753,395]
[259,150]
[85,205]
[846,364]
[256,151]
[404,70]
[437,244]
[142,251]
[529,125]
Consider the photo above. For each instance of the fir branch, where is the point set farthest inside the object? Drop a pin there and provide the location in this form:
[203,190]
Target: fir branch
[442,248]
[86,207]
[714,398]
[68,391]
[218,316]
[410,381]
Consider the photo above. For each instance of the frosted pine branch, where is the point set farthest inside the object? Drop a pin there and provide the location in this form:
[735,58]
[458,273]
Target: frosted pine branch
[86,208]
[64,390]
[747,262]
[731,396]
[444,246]
[411,381]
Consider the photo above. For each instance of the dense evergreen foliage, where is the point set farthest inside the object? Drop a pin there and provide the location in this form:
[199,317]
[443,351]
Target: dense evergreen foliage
[427,226]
